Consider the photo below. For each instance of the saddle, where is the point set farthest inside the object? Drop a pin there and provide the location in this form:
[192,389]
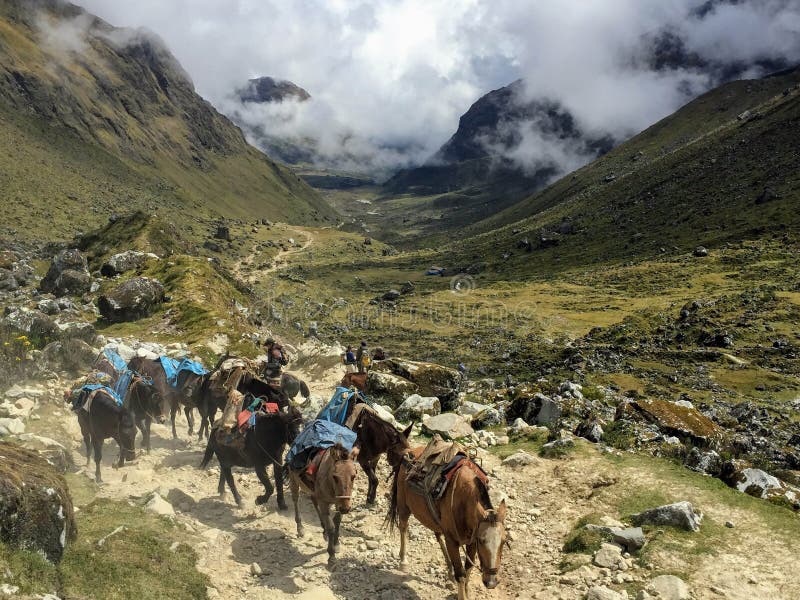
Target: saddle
[430,474]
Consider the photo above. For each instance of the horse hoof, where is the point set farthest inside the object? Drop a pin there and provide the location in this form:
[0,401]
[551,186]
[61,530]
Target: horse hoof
[262,499]
[282,506]
[404,567]
[337,548]
[300,532]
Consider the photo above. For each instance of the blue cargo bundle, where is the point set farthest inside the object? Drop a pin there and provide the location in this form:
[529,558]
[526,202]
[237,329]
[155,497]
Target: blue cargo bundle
[172,368]
[319,434]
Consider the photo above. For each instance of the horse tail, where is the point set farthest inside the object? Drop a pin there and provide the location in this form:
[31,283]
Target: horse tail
[209,451]
[304,391]
[392,519]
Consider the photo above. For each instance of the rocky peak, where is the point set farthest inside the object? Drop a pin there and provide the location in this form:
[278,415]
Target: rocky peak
[266,89]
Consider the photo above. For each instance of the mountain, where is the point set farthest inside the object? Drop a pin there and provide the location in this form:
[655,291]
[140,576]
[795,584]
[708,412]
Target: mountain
[267,89]
[723,168]
[95,120]
[482,151]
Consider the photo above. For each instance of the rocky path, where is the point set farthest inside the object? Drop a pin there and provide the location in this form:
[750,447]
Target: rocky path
[253,274]
[254,552]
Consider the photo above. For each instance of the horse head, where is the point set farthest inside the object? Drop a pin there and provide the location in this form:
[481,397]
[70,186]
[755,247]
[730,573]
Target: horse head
[491,537]
[148,398]
[399,447]
[343,474]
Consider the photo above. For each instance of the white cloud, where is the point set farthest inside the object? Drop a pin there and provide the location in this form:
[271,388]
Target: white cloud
[390,78]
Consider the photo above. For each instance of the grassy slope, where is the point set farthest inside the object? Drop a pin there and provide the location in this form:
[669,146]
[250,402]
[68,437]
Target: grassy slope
[111,128]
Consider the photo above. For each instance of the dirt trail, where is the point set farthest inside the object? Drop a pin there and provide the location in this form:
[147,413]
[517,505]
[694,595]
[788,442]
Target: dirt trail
[279,262]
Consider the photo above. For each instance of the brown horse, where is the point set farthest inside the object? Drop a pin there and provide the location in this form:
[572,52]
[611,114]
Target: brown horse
[330,484]
[183,393]
[374,437]
[356,380]
[466,518]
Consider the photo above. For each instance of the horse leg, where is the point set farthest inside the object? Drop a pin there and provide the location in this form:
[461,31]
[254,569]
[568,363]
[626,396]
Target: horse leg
[261,473]
[330,529]
[321,520]
[232,485]
[221,484]
[454,554]
[98,458]
[471,553]
[173,410]
[337,521]
[404,514]
[187,410]
[294,487]
[446,557]
[369,469]
[277,472]
[87,440]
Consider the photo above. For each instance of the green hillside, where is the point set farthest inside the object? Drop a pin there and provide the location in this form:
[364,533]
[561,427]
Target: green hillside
[96,120]
[722,169]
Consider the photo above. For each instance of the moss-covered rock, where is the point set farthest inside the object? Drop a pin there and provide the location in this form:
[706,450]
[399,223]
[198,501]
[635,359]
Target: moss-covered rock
[684,422]
[35,505]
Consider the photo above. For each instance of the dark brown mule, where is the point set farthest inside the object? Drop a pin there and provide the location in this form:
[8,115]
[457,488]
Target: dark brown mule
[107,419]
[331,484]
[183,393]
[356,380]
[264,445]
[466,518]
[374,437]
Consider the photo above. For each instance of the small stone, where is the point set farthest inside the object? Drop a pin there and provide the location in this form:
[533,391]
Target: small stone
[255,570]
[669,587]
[608,556]
[729,524]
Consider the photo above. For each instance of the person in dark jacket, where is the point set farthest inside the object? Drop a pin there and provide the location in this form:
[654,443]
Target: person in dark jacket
[350,359]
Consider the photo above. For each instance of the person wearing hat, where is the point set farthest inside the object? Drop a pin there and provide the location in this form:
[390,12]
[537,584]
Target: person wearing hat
[362,357]
[276,359]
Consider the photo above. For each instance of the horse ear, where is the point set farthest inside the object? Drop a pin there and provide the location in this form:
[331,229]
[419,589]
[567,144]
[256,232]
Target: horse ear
[407,430]
[501,510]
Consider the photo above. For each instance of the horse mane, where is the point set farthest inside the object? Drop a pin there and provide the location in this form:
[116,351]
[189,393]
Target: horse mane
[485,500]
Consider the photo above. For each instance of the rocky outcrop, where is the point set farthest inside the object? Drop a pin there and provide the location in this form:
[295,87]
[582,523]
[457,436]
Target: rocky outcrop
[389,388]
[448,425]
[680,515]
[131,300]
[686,423]
[536,408]
[72,356]
[35,505]
[415,406]
[431,379]
[68,274]
[124,262]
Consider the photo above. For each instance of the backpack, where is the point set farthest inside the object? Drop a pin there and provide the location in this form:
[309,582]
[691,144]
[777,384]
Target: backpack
[365,361]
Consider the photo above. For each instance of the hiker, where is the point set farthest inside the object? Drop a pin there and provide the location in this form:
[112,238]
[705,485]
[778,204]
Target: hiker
[276,359]
[379,354]
[349,358]
[362,357]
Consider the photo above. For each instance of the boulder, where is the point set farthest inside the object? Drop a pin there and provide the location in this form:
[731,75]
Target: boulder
[488,417]
[391,295]
[11,426]
[680,515]
[415,406]
[700,251]
[431,379]
[35,505]
[704,461]
[761,484]
[8,283]
[609,556]
[669,587]
[223,232]
[124,262]
[519,459]
[131,300]
[590,429]
[470,409]
[72,356]
[68,274]
[601,592]
[448,425]
[572,390]
[156,504]
[557,448]
[631,538]
[390,388]
[48,306]
[537,409]
[79,330]
[688,424]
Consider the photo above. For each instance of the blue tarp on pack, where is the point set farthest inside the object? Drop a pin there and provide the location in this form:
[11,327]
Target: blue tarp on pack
[321,434]
[123,381]
[116,360]
[172,368]
[96,386]
[336,409]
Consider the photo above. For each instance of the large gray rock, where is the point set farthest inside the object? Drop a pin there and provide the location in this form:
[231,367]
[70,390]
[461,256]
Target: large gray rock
[680,515]
[704,461]
[601,592]
[488,417]
[761,484]
[79,330]
[590,429]
[415,406]
[68,274]
[8,283]
[448,425]
[389,388]
[669,587]
[71,356]
[631,538]
[35,506]
[431,379]
[131,300]
[609,556]
[124,262]
[538,409]
[519,459]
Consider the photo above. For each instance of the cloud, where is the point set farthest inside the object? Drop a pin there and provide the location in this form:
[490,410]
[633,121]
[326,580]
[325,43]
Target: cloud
[390,78]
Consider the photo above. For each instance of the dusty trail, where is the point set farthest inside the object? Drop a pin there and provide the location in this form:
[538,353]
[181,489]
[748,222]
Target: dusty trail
[279,262]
